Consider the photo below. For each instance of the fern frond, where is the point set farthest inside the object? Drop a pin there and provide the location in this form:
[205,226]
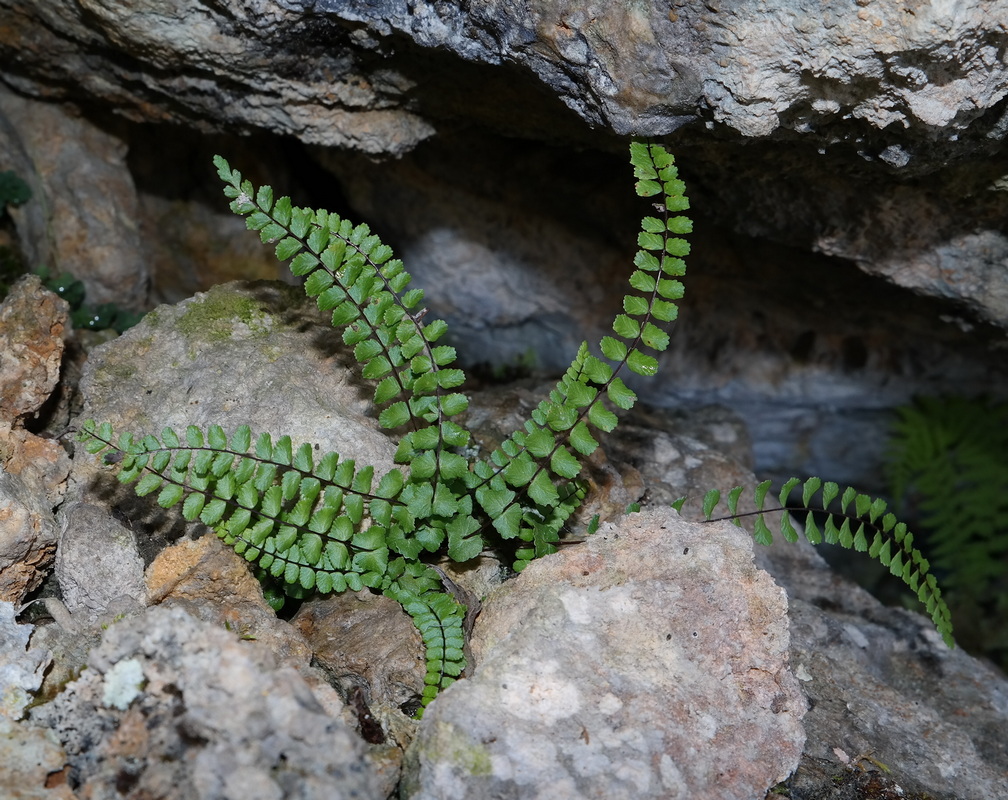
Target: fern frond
[948,457]
[860,523]
[352,275]
[439,619]
[530,485]
[321,524]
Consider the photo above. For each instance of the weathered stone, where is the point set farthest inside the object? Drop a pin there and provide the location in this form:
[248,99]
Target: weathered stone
[650,661]
[176,708]
[366,641]
[28,536]
[97,562]
[641,69]
[882,685]
[32,325]
[256,354]
[21,670]
[31,763]
[83,214]
[215,585]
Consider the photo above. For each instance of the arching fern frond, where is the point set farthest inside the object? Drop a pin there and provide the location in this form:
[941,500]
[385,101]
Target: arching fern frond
[530,484]
[859,522]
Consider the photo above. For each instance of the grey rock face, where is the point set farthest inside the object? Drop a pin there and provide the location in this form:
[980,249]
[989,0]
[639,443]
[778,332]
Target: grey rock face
[256,354]
[20,669]
[641,69]
[175,708]
[82,218]
[881,683]
[650,661]
[28,536]
[97,561]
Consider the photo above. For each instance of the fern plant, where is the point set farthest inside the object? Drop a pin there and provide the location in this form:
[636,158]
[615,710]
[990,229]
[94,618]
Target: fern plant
[947,465]
[323,523]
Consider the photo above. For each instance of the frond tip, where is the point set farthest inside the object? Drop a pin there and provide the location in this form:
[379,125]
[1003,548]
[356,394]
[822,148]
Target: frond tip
[859,522]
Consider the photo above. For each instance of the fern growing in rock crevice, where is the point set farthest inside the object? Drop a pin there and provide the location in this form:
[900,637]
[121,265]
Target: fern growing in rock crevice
[323,524]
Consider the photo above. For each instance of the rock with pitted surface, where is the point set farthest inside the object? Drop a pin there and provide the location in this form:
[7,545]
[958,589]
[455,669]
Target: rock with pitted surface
[650,661]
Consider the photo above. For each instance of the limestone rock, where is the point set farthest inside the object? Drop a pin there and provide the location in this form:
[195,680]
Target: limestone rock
[650,661]
[82,218]
[21,670]
[645,68]
[365,640]
[97,562]
[881,683]
[212,583]
[256,354]
[28,535]
[32,323]
[31,763]
[177,708]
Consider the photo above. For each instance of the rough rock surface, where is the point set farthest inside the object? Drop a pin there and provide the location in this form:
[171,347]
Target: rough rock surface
[31,760]
[212,583]
[363,640]
[31,763]
[33,328]
[645,68]
[84,216]
[176,708]
[97,561]
[255,354]
[28,536]
[881,683]
[650,661]
[20,669]
[32,323]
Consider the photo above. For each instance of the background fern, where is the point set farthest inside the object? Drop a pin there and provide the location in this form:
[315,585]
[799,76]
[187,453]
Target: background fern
[947,468]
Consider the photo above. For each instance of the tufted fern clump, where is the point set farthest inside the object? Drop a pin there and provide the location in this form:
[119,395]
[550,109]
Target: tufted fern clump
[325,524]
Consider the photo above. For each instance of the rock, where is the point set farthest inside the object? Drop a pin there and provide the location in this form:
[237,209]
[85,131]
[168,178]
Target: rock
[256,354]
[97,562]
[365,640]
[650,661]
[21,670]
[33,324]
[214,584]
[31,760]
[177,708]
[28,536]
[31,763]
[883,686]
[380,78]
[82,218]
